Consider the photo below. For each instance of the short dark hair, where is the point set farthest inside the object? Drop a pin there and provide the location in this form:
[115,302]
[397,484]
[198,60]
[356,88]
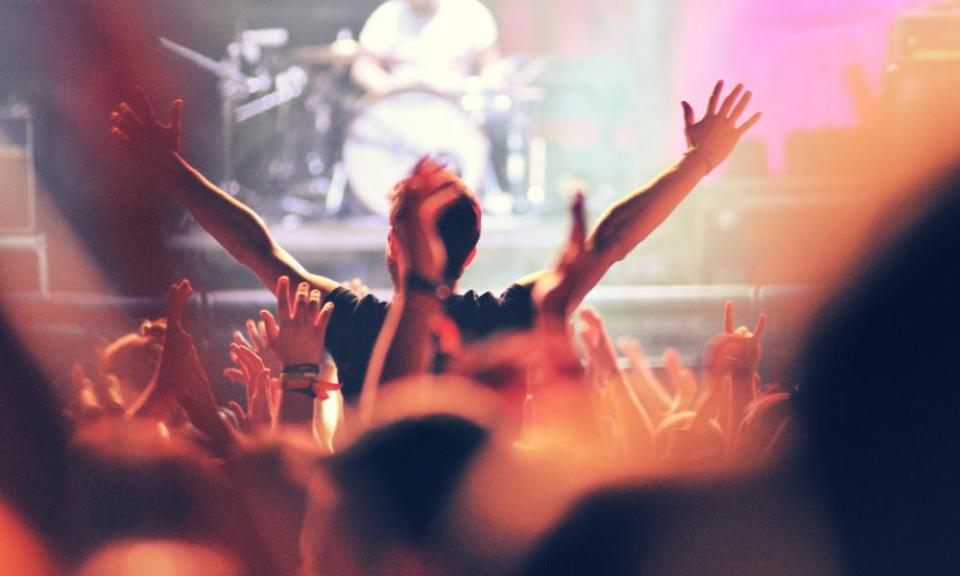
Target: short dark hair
[458,226]
[399,479]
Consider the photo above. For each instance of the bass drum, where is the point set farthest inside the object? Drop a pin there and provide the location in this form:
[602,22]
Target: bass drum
[391,133]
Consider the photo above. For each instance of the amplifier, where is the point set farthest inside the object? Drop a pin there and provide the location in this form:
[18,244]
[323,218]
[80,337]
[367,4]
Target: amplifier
[23,260]
[925,36]
[17,176]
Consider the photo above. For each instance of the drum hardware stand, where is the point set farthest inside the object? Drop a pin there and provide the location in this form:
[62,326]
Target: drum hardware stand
[234,85]
[305,172]
[337,190]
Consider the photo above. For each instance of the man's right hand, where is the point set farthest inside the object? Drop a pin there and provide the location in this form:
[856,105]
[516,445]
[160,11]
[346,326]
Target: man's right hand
[150,142]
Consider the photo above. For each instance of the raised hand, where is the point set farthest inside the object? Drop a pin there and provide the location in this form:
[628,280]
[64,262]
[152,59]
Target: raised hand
[179,376]
[175,361]
[298,333]
[258,341]
[599,348]
[735,351]
[645,383]
[554,292]
[632,417]
[429,190]
[135,123]
[715,135]
[153,146]
[730,369]
[683,379]
[263,390]
[186,374]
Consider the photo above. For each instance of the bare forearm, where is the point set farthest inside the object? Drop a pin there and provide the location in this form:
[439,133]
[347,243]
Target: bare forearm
[402,348]
[296,408]
[234,225]
[633,218]
[409,352]
[629,221]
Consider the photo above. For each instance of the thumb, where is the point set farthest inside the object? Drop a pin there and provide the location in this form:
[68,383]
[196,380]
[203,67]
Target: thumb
[688,117]
[578,230]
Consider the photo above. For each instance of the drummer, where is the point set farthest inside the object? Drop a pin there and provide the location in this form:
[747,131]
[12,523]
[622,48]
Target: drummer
[432,44]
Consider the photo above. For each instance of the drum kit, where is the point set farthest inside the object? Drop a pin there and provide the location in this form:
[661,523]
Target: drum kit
[333,151]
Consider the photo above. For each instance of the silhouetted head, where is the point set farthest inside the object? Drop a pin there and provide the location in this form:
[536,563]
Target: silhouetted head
[128,479]
[458,227]
[387,494]
[879,396]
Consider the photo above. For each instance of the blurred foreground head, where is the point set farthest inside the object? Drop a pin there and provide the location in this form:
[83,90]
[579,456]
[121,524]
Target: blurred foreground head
[159,558]
[881,393]
[131,480]
[380,502]
[21,549]
[875,488]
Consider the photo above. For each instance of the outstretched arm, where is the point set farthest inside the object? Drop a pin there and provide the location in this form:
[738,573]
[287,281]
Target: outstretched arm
[240,230]
[625,224]
[155,148]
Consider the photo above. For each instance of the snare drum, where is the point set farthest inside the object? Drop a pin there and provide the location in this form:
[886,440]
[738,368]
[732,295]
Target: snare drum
[391,133]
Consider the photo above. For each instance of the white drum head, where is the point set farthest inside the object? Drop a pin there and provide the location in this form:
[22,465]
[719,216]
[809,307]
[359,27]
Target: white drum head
[388,137]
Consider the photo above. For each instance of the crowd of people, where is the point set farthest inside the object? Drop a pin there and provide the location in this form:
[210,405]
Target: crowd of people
[451,432]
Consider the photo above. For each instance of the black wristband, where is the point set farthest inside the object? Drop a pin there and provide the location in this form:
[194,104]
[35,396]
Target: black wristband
[300,368]
[300,378]
[417,283]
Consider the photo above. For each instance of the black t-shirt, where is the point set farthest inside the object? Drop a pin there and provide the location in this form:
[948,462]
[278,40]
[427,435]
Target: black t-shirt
[356,323]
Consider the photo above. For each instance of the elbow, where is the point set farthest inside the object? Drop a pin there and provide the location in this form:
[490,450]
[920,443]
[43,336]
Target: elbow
[258,251]
[605,250]
[255,243]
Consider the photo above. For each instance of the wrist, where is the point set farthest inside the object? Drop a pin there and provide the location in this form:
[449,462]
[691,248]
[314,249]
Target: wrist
[299,353]
[416,283]
[701,158]
[300,378]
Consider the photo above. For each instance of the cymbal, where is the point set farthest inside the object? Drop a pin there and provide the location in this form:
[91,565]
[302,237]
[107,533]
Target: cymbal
[336,53]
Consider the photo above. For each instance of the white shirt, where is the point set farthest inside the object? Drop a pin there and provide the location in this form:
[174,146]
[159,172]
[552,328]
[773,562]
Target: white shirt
[436,50]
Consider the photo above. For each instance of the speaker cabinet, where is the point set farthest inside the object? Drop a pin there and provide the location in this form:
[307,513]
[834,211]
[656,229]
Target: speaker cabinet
[17,178]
